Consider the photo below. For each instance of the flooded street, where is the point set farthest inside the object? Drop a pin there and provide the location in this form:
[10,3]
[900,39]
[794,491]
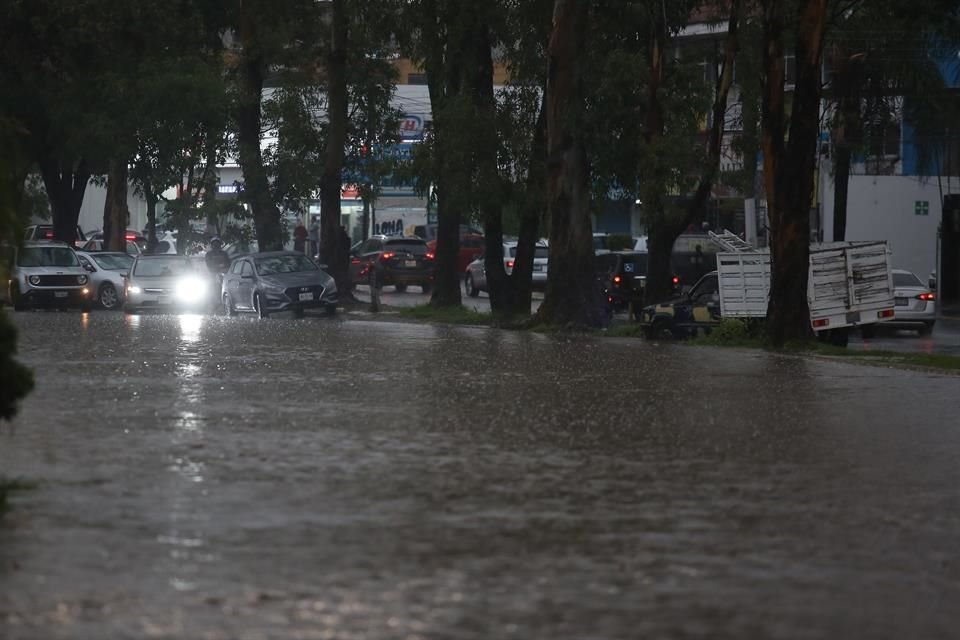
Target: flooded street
[229,478]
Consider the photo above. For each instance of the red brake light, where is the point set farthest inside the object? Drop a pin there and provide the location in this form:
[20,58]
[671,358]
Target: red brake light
[926,296]
[48,235]
[885,313]
[676,280]
[387,255]
[131,236]
[428,256]
[616,279]
[822,322]
[510,264]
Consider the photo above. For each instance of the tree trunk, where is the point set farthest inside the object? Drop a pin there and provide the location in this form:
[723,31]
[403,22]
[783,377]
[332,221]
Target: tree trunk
[256,187]
[846,136]
[789,167]
[841,186]
[332,250]
[65,188]
[572,297]
[520,284]
[115,211]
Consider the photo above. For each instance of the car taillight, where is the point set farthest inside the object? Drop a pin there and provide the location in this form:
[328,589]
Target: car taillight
[822,322]
[428,256]
[885,313]
[926,296]
[676,280]
[354,260]
[387,255]
[510,264]
[616,279]
[48,235]
[130,236]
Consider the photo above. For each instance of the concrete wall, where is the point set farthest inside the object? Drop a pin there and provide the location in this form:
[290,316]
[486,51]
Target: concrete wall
[884,208]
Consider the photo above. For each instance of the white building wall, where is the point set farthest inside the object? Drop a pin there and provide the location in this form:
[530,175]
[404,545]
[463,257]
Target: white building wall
[91,212]
[884,208]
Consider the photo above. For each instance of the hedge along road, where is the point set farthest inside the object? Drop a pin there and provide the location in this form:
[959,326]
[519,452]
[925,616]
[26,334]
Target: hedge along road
[235,478]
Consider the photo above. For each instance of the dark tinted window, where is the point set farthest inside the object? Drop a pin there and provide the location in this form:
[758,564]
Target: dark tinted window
[906,280]
[113,261]
[47,257]
[417,247]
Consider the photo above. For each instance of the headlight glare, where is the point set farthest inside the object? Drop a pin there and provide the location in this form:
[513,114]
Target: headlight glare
[191,289]
[135,290]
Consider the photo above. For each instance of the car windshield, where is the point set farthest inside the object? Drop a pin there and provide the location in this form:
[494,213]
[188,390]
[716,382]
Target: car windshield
[539,252]
[47,257]
[162,267]
[272,265]
[416,247]
[906,280]
[113,261]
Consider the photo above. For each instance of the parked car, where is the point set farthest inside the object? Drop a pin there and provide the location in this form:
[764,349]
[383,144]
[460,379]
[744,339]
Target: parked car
[697,310]
[47,274]
[690,266]
[108,272]
[622,276]
[397,260]
[471,246]
[131,248]
[131,235]
[165,282]
[40,232]
[429,231]
[914,304]
[275,281]
[475,275]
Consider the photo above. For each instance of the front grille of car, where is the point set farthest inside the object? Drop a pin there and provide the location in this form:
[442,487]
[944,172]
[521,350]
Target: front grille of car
[293,293]
[59,281]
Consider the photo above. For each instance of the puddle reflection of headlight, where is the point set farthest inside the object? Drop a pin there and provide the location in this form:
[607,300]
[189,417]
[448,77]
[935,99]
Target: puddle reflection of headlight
[191,289]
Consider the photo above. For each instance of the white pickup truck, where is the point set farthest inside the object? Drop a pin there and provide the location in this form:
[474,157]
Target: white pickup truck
[849,285]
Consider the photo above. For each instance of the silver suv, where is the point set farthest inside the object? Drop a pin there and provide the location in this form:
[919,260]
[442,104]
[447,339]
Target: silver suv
[47,274]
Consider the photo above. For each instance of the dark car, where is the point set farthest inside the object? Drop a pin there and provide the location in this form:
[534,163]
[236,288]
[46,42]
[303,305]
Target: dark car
[275,281]
[696,311]
[689,266]
[622,276]
[471,247]
[397,261]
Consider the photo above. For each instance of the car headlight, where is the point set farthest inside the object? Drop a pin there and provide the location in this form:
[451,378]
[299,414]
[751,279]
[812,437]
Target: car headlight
[34,280]
[191,289]
[81,279]
[134,290]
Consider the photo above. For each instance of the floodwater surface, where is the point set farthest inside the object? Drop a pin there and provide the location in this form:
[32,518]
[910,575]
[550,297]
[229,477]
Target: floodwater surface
[340,478]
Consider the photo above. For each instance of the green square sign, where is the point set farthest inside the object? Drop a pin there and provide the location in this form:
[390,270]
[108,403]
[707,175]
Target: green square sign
[921,208]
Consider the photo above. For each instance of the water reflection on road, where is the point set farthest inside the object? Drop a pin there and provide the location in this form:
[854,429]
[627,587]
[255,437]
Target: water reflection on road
[235,478]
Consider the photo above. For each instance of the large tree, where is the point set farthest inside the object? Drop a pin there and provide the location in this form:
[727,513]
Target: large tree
[789,163]
[572,297]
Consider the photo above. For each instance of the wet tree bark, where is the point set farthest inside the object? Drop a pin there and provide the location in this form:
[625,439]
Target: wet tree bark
[65,185]
[789,167]
[256,187]
[520,289]
[846,136]
[332,250]
[115,211]
[572,297]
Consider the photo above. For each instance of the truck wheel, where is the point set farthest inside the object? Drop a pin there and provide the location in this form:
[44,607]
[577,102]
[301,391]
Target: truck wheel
[471,288]
[839,337]
[19,304]
[662,330]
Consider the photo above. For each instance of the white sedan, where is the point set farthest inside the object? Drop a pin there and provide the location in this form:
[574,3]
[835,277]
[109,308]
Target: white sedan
[475,276]
[915,303]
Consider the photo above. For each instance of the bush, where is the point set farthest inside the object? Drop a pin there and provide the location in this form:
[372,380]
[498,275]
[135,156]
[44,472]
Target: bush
[731,332]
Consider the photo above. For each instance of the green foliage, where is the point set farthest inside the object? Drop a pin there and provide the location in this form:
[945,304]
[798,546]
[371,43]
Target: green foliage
[619,242]
[732,332]
[446,315]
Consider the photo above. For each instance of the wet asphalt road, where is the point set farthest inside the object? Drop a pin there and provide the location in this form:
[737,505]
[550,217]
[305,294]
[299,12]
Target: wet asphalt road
[343,478]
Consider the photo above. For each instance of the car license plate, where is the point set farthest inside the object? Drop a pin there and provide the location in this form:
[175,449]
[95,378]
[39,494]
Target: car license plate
[59,294]
[306,296]
[900,302]
[411,264]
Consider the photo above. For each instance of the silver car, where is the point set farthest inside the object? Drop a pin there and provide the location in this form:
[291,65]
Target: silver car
[108,271]
[914,302]
[166,283]
[475,276]
[47,274]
